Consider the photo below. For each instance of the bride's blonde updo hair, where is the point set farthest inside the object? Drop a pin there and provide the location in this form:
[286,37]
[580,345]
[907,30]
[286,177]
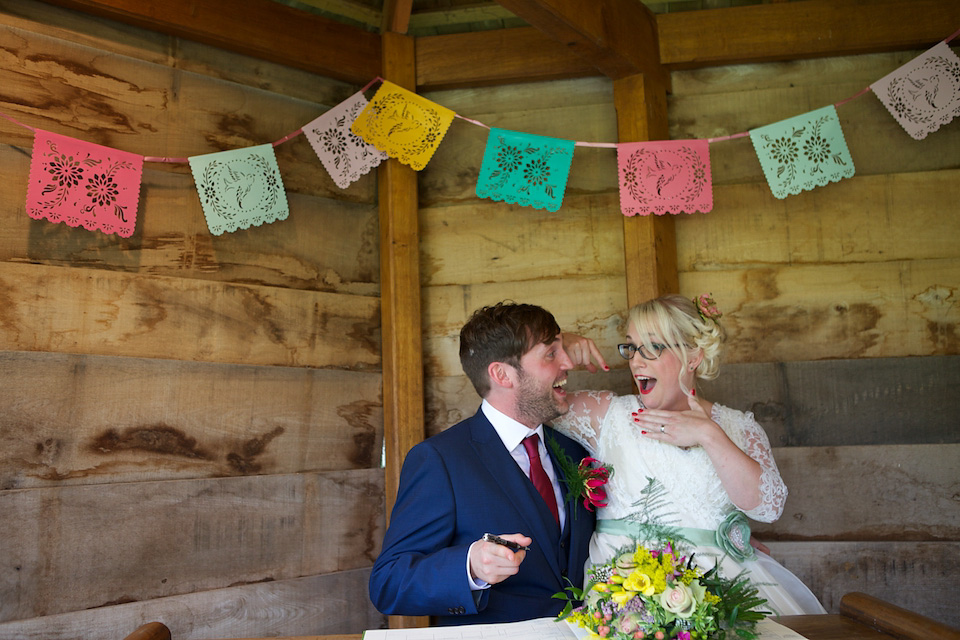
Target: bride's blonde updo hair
[683,327]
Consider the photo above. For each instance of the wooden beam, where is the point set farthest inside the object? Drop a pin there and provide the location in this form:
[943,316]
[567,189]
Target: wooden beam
[396,16]
[694,39]
[618,37]
[649,242]
[355,12]
[690,39]
[260,28]
[447,18]
[403,405]
[495,57]
[808,29]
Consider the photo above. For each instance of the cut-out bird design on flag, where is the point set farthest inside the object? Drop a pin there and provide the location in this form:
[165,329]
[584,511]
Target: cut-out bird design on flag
[240,183]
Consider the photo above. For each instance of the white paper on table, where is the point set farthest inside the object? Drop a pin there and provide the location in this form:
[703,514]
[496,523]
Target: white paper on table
[540,628]
[768,629]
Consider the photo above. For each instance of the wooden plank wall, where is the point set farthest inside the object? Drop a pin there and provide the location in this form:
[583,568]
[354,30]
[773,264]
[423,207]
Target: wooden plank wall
[190,425]
[841,304]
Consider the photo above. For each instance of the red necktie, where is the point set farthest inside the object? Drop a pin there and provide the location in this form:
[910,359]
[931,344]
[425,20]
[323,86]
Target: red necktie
[539,477]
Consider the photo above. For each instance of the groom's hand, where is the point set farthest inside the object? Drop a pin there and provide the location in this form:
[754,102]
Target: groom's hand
[493,563]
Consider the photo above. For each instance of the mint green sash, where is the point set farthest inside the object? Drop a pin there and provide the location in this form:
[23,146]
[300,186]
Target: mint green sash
[732,536]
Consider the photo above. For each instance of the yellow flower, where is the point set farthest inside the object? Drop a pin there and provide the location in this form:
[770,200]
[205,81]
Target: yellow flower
[621,597]
[639,582]
[642,554]
[689,575]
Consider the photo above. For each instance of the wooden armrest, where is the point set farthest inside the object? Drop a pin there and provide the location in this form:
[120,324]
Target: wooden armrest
[894,620]
[150,631]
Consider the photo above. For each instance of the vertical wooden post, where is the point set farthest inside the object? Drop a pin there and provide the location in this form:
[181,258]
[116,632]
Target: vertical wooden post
[403,406]
[649,242]
[396,16]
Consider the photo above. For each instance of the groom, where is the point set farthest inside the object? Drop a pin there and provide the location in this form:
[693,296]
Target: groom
[479,477]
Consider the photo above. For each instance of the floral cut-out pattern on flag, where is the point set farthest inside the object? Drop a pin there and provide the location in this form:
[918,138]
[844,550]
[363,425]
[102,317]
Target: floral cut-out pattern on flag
[664,176]
[803,152]
[84,184]
[239,188]
[404,125]
[525,169]
[343,154]
[923,94]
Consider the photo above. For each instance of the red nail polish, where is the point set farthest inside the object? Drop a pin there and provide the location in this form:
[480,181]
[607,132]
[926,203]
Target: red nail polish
[693,392]
[644,432]
[639,410]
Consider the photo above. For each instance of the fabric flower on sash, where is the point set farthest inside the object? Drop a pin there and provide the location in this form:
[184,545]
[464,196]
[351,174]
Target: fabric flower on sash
[803,152]
[923,94]
[664,176]
[239,188]
[404,125]
[344,155]
[83,184]
[525,169]
[733,536]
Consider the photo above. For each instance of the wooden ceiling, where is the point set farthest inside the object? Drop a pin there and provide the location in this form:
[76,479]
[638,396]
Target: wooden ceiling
[566,38]
[444,17]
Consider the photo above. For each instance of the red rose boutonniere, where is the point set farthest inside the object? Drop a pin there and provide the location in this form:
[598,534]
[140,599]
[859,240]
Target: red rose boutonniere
[585,480]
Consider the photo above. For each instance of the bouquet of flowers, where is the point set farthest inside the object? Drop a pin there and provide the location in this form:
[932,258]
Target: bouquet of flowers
[658,594]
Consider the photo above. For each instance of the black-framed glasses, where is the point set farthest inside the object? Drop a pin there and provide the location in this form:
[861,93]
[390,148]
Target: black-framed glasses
[627,350]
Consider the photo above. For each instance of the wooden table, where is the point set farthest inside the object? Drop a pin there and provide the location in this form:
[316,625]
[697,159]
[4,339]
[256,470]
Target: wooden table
[825,627]
[861,617]
[832,627]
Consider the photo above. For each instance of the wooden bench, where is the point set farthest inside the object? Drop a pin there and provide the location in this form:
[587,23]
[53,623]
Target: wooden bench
[894,620]
[150,631]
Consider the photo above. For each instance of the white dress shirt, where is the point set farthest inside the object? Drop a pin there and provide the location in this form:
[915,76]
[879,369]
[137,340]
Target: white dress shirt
[512,434]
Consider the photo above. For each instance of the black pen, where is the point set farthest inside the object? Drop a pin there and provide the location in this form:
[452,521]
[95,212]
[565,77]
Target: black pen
[503,542]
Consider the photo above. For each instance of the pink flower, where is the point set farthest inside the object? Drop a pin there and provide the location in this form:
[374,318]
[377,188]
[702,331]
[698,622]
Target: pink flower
[594,478]
[707,307]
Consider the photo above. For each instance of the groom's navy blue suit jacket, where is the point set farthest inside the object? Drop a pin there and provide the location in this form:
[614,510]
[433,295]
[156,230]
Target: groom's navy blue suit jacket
[454,487]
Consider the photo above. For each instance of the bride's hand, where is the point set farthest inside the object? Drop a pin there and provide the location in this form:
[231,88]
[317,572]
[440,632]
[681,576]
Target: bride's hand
[583,352]
[680,428]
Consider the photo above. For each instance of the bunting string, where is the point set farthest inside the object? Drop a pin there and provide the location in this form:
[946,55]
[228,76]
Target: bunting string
[243,187]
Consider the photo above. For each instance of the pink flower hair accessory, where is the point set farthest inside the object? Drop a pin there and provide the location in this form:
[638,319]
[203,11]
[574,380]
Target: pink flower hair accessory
[707,308]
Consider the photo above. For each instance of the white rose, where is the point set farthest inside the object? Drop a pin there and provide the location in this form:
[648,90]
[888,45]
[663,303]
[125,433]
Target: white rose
[679,600]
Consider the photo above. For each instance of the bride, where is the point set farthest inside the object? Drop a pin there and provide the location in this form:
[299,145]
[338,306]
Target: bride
[710,465]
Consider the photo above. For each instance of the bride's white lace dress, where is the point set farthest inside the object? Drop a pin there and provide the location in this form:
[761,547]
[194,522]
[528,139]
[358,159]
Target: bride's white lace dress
[602,422]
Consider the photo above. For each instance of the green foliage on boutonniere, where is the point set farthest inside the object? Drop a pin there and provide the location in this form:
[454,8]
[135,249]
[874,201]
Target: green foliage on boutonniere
[585,480]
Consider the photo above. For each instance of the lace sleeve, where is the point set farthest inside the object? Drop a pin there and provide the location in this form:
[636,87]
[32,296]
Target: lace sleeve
[773,492]
[582,422]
